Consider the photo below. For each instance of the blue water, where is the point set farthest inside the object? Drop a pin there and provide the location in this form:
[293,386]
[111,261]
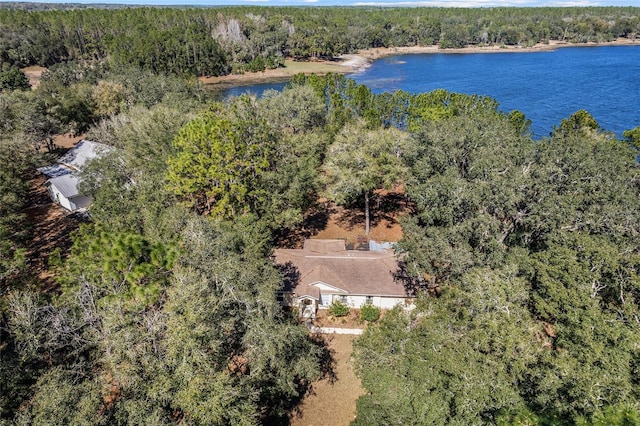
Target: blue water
[546,86]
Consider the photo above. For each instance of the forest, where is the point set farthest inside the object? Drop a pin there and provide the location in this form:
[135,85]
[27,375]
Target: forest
[523,255]
[222,40]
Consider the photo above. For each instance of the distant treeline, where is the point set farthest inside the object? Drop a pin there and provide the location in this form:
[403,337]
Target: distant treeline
[218,41]
[26,5]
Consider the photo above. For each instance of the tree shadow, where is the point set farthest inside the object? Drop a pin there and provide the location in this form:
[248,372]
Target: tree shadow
[291,278]
[414,285]
[385,206]
[290,275]
[327,372]
[315,220]
[49,229]
[327,359]
[327,363]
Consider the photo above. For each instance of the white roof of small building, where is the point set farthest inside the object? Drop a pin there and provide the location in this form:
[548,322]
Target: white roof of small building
[67,184]
[75,159]
[84,151]
[64,175]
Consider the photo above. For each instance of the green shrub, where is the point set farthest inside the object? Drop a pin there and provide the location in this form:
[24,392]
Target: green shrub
[338,309]
[369,313]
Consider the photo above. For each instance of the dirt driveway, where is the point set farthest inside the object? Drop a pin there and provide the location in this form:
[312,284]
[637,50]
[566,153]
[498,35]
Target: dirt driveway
[333,399]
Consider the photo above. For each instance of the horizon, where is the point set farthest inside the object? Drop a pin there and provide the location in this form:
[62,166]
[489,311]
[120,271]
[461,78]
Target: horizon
[352,3]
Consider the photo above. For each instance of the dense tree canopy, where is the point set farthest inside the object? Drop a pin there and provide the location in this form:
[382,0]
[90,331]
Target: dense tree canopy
[11,77]
[220,162]
[159,316]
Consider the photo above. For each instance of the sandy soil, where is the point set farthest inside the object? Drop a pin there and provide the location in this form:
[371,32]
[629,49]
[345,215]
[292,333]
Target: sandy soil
[350,225]
[34,74]
[67,140]
[328,221]
[372,54]
[387,206]
[53,226]
[290,69]
[52,223]
[333,399]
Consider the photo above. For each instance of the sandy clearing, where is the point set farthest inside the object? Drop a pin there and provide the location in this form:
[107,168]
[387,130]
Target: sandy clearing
[333,399]
[34,74]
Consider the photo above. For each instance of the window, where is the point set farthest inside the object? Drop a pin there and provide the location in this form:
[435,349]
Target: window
[369,300]
[325,299]
[343,300]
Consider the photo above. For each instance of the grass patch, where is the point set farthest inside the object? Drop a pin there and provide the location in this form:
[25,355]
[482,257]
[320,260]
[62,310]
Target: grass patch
[295,67]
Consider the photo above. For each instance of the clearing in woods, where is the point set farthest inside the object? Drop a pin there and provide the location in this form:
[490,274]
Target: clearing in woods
[333,399]
[328,221]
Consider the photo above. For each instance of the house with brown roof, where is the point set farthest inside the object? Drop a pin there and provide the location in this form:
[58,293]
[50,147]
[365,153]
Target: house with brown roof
[324,271]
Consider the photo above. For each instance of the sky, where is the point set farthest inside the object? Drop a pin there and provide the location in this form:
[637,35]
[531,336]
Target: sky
[375,3]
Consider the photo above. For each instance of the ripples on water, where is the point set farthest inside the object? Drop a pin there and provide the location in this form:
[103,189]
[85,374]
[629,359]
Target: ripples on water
[546,86]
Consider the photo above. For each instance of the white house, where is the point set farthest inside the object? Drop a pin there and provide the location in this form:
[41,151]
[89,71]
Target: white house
[324,271]
[64,176]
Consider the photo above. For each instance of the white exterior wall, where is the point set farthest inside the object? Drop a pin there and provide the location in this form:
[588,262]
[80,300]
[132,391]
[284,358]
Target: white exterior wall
[325,300]
[354,301]
[71,204]
[390,302]
[57,197]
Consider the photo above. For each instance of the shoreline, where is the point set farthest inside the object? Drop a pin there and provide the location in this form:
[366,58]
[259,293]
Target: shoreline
[381,52]
[358,62]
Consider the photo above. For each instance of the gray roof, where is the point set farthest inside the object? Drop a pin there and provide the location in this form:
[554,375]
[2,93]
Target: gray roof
[66,184]
[63,174]
[79,155]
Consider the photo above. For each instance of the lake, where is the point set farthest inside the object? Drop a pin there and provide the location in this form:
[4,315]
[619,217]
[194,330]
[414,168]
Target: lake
[546,86]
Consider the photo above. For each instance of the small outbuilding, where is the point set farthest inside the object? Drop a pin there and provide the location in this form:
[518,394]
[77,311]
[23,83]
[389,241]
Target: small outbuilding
[64,176]
[64,191]
[324,271]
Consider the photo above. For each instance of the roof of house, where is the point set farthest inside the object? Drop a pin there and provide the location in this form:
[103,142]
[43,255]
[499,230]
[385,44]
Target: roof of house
[55,170]
[81,153]
[76,158]
[67,184]
[370,273]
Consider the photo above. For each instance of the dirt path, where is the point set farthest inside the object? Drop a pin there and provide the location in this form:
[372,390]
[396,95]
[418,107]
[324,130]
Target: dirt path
[52,228]
[51,224]
[333,400]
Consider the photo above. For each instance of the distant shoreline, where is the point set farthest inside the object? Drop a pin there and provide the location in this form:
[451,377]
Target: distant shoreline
[353,63]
